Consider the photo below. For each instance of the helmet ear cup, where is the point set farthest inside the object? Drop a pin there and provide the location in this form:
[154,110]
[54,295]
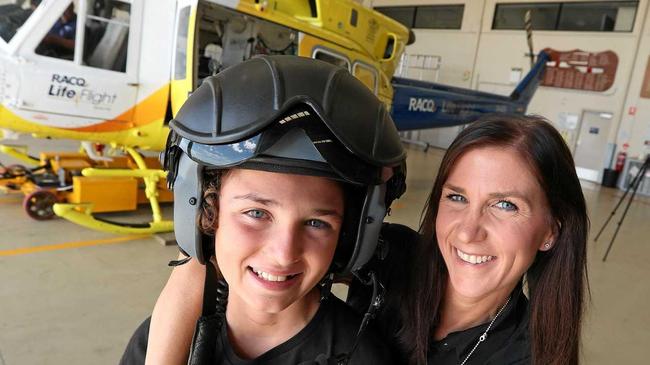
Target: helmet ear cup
[354,200]
[361,226]
[370,222]
[188,199]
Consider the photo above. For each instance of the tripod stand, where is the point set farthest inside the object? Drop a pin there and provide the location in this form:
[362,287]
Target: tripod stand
[634,185]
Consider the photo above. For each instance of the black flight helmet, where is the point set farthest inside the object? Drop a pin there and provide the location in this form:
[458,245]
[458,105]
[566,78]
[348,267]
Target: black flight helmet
[293,115]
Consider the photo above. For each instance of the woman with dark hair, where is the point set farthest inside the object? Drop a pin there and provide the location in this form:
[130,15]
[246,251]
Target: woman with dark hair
[497,273]
[506,216]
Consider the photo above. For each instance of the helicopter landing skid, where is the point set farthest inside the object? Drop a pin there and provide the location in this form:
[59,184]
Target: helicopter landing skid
[19,153]
[81,214]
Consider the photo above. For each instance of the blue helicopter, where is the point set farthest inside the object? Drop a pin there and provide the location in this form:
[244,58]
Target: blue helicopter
[421,105]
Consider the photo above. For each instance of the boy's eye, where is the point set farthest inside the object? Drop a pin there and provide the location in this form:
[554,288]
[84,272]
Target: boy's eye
[317,223]
[507,206]
[256,213]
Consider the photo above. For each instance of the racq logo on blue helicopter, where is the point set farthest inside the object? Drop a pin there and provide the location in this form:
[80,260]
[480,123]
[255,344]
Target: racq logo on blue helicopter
[75,88]
[422,105]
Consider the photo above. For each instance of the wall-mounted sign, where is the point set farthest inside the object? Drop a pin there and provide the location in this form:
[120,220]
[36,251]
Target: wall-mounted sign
[580,70]
[631,110]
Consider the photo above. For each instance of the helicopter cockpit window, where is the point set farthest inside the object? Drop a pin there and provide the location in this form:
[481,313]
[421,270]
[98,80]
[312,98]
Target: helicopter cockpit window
[59,40]
[332,57]
[107,34]
[366,74]
[13,14]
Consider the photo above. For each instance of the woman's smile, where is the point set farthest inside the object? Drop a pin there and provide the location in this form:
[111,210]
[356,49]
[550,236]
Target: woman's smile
[473,259]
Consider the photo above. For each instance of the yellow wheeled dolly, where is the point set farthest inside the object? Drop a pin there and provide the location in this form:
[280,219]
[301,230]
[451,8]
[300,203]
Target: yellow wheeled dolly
[73,186]
[38,184]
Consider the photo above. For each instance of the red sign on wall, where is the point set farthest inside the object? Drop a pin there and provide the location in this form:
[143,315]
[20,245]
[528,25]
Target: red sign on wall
[580,70]
[631,110]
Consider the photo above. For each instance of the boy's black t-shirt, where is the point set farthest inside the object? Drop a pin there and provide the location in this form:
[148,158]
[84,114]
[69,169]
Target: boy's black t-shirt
[331,332]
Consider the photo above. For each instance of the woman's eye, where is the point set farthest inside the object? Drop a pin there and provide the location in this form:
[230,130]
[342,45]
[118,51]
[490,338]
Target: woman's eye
[317,223]
[507,206]
[455,197]
[256,213]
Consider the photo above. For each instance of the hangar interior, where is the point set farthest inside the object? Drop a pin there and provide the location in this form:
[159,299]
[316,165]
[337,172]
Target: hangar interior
[72,295]
[482,45]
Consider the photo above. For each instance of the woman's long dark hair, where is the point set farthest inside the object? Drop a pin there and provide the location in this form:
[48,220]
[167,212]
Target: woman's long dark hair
[557,278]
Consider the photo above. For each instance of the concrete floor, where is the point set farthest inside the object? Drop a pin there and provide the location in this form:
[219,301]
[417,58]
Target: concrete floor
[79,305]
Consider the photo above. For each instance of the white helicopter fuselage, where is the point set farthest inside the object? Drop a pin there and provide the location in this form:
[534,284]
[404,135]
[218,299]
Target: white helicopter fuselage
[86,96]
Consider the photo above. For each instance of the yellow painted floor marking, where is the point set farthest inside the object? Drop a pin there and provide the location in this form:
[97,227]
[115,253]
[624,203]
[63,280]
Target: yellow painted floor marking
[63,246]
[10,199]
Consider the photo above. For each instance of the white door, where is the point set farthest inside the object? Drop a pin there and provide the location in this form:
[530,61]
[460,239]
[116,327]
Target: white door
[591,147]
[81,63]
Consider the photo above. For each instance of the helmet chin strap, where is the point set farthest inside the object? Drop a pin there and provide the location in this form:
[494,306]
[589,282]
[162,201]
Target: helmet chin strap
[215,300]
[378,292]
[326,286]
[376,301]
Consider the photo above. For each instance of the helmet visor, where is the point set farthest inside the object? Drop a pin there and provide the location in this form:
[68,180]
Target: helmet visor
[271,142]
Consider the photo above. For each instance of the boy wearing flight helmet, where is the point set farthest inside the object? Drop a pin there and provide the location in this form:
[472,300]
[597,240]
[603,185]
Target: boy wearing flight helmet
[288,164]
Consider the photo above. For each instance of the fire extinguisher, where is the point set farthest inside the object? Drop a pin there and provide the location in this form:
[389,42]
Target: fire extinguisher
[620,158]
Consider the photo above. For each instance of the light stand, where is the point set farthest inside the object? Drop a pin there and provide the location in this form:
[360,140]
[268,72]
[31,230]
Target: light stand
[634,185]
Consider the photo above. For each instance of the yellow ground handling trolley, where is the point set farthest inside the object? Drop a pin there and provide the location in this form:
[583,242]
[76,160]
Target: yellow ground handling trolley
[86,185]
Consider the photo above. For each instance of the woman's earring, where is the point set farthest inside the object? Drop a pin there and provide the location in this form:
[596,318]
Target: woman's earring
[547,245]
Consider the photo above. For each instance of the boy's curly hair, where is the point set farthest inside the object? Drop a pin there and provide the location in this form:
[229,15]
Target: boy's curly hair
[209,215]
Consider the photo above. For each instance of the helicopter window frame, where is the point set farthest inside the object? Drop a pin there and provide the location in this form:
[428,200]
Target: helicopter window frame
[26,25]
[331,53]
[360,64]
[181,38]
[126,49]
[41,49]
[132,43]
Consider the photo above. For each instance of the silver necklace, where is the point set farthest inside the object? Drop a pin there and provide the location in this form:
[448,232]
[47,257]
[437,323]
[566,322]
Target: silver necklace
[484,335]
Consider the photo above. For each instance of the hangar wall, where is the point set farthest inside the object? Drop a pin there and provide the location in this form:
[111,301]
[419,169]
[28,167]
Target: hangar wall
[479,57]
[635,129]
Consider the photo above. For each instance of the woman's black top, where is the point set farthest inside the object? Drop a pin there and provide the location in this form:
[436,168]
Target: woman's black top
[507,341]
[331,332]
